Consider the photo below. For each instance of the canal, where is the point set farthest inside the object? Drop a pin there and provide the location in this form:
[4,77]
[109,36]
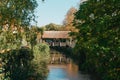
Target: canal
[66,72]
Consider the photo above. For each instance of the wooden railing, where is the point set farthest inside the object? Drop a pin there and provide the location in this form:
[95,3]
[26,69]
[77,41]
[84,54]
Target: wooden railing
[58,44]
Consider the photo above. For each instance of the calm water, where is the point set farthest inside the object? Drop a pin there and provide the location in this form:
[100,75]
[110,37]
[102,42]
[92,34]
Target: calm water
[66,72]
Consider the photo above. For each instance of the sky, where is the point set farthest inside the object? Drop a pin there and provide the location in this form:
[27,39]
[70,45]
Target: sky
[53,11]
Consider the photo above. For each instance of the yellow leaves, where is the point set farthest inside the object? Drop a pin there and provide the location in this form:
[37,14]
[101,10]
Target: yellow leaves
[4,50]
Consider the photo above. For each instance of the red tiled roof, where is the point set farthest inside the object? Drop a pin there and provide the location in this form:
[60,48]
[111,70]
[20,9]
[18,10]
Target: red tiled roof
[56,34]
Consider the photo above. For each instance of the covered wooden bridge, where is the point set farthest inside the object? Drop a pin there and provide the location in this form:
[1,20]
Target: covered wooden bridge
[58,38]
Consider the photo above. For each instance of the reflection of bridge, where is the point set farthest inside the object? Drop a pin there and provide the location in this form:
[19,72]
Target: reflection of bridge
[57,58]
[60,54]
[58,38]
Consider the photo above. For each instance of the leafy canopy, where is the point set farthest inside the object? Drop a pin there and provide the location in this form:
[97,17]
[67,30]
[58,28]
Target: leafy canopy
[98,38]
[17,12]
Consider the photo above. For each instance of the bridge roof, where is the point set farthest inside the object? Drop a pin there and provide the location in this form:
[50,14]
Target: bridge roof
[56,34]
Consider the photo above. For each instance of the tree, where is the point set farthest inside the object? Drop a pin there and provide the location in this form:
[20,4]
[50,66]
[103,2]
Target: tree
[68,21]
[10,40]
[52,27]
[40,61]
[17,64]
[14,12]
[98,37]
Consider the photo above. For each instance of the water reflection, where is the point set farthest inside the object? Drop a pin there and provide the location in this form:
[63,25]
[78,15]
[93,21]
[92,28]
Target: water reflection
[66,72]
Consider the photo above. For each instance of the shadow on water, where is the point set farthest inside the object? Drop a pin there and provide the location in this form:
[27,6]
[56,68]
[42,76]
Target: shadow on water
[66,72]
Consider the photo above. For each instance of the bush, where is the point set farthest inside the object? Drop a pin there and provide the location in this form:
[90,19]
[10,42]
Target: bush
[41,58]
[17,63]
[22,64]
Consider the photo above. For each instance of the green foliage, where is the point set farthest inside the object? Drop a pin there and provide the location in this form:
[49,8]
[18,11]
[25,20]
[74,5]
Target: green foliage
[22,64]
[9,40]
[41,52]
[17,12]
[41,30]
[17,64]
[41,58]
[30,35]
[52,27]
[98,37]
